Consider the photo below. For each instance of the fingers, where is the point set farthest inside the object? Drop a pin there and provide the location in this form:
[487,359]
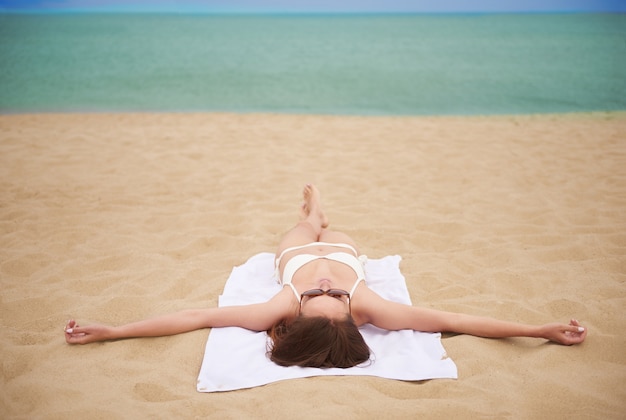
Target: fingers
[75,339]
[574,326]
[70,324]
[69,327]
[566,334]
[578,329]
[574,322]
[73,333]
[574,333]
[72,327]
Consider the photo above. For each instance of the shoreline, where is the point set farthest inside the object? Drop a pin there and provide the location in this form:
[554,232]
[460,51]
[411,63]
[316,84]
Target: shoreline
[308,114]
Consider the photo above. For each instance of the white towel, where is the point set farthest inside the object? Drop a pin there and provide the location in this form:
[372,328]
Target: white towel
[236,358]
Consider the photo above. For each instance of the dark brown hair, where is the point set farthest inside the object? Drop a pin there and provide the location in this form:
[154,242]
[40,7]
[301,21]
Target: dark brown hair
[318,342]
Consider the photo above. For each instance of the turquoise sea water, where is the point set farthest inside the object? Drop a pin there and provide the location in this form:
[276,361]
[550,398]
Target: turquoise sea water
[398,65]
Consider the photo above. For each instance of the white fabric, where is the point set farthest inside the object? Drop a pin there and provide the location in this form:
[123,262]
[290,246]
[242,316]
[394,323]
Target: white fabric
[236,358]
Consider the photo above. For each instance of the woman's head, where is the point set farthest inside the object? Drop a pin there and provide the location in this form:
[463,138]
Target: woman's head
[318,342]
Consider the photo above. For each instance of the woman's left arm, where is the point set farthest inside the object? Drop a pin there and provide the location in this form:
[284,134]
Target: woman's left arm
[396,316]
[567,334]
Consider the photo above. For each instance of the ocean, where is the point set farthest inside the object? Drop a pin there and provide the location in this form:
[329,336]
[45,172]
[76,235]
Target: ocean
[314,64]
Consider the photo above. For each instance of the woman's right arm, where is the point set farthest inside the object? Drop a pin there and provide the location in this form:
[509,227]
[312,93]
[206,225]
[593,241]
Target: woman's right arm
[256,317]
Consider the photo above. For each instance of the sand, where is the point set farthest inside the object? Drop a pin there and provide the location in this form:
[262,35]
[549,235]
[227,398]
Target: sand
[114,218]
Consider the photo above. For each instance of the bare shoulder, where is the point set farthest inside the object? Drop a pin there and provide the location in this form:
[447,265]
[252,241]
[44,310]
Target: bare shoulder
[258,316]
[282,304]
[370,307]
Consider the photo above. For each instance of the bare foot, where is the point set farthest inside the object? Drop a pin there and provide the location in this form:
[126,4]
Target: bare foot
[312,204]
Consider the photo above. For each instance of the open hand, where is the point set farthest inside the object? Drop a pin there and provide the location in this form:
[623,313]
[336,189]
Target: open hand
[75,334]
[570,334]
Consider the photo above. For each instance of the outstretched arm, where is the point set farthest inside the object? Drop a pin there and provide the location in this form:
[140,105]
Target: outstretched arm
[566,334]
[256,317]
[396,316]
[170,324]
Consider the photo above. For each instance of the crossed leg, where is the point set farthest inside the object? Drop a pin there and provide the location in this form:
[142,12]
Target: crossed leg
[313,224]
[312,221]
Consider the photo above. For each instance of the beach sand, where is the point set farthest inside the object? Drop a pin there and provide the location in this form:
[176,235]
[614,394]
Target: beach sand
[114,218]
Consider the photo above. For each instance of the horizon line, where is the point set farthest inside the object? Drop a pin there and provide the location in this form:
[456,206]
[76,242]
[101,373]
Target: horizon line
[298,13]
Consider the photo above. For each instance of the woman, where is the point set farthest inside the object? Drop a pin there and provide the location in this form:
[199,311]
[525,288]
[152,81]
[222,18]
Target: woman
[314,319]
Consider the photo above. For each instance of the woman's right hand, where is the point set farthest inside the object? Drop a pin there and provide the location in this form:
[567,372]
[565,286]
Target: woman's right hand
[75,334]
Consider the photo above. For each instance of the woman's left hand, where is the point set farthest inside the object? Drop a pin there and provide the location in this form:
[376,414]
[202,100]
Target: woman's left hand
[570,334]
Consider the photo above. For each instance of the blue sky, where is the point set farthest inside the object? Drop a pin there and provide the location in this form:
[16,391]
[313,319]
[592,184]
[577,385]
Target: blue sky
[315,6]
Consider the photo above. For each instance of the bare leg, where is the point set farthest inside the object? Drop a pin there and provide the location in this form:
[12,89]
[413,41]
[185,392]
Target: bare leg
[312,207]
[332,236]
[312,221]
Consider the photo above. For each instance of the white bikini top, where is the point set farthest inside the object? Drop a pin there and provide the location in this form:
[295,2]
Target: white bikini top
[298,261]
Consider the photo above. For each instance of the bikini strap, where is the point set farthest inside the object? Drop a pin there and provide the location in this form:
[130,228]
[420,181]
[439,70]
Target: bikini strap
[295,292]
[356,284]
[362,259]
